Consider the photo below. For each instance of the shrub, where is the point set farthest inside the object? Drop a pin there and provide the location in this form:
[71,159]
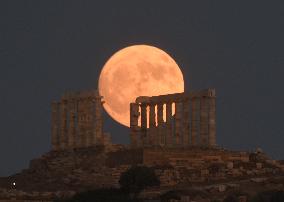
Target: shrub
[137,178]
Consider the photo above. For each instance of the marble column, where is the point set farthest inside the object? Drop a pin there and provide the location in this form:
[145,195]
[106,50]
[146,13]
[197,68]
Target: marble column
[204,121]
[152,124]
[194,121]
[72,124]
[169,135]
[63,129]
[89,109]
[92,121]
[81,137]
[185,123]
[144,123]
[134,128]
[212,121]
[54,126]
[98,119]
[178,129]
[160,135]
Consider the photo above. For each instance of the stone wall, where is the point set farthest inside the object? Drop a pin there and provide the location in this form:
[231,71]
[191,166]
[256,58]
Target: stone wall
[195,156]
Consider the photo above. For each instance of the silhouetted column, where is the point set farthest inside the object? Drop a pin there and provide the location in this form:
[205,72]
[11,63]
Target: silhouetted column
[63,129]
[203,121]
[81,137]
[212,121]
[93,124]
[72,125]
[178,116]
[194,121]
[89,111]
[54,126]
[160,123]
[185,123]
[169,135]
[134,128]
[152,124]
[143,122]
[98,119]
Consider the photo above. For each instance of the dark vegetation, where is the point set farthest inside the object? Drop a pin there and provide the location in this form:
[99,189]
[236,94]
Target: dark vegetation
[138,178]
[132,182]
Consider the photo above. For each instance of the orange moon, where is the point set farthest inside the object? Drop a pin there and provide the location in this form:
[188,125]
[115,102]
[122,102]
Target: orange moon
[138,70]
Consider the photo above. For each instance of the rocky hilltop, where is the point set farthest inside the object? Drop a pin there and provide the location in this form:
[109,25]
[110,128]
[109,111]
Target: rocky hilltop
[71,171]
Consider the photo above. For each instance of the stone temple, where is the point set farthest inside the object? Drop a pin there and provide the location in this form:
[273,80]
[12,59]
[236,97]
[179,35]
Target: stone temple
[76,121]
[193,122]
[175,134]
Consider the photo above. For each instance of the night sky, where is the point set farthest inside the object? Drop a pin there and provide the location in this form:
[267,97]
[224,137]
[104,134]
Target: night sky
[49,47]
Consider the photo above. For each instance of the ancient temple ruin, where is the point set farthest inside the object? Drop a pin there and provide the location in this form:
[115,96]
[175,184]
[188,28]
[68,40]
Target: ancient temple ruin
[189,120]
[173,134]
[77,121]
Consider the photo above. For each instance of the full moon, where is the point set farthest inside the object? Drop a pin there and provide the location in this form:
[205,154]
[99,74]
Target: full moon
[138,70]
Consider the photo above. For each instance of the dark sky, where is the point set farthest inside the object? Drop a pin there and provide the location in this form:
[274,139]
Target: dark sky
[48,47]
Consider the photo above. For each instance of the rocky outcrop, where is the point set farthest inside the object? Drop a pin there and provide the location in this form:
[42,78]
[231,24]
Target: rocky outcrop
[96,167]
